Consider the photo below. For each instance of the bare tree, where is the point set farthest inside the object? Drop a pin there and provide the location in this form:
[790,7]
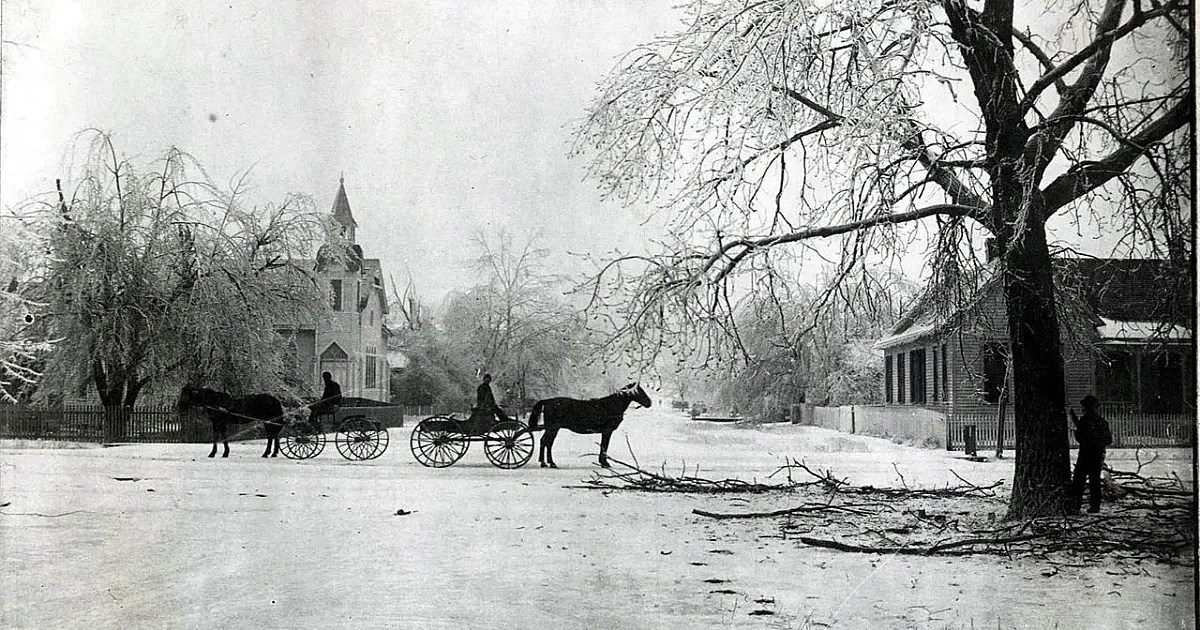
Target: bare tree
[769,127]
[516,322]
[409,304]
[156,277]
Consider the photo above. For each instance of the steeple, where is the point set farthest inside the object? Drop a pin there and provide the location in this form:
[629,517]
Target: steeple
[341,210]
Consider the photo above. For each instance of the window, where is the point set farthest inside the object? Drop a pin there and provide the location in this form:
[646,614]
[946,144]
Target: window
[371,364]
[887,378]
[1162,383]
[900,378]
[936,381]
[916,376]
[945,375]
[336,287]
[1116,377]
[995,371]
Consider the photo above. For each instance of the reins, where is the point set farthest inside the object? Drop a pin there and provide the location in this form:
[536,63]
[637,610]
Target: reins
[275,420]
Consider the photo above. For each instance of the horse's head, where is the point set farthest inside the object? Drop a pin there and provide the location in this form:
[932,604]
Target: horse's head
[187,398]
[191,396]
[638,395]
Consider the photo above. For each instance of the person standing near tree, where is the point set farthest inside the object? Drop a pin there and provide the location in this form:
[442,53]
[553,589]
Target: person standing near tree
[1094,435]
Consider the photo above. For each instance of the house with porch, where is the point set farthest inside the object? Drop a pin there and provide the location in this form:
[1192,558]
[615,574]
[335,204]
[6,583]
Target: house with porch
[1126,338]
[352,343]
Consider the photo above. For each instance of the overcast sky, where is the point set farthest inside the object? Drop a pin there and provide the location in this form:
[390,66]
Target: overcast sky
[446,117]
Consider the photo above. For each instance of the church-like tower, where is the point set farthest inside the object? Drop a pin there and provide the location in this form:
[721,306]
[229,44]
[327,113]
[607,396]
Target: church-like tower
[351,342]
[341,211]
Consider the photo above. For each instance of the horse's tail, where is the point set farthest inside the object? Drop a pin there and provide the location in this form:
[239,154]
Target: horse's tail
[534,413]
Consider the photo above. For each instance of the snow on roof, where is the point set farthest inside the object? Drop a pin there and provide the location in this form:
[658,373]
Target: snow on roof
[912,333]
[1115,331]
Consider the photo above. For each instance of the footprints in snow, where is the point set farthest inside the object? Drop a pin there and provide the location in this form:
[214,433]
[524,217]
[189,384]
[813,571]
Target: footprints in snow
[762,601]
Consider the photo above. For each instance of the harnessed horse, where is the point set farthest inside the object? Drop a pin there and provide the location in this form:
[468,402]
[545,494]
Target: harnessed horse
[223,410]
[598,415]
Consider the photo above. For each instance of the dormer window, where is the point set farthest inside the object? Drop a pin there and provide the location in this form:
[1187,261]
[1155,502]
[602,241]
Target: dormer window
[336,287]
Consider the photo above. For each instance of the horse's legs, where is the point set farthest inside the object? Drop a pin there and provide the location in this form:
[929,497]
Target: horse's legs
[267,452]
[225,439]
[215,431]
[604,437]
[275,440]
[548,448]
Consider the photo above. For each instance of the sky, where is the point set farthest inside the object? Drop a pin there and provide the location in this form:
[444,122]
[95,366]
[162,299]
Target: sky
[445,118]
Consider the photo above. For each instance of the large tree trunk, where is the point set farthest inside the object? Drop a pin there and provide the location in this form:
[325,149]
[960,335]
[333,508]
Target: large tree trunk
[1039,407]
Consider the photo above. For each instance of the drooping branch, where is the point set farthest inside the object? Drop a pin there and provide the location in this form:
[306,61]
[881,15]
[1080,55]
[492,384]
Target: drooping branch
[737,250]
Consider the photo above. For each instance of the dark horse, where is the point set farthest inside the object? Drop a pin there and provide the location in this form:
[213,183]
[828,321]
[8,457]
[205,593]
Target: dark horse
[224,410]
[599,415]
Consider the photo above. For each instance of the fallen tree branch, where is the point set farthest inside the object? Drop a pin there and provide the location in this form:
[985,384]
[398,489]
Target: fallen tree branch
[803,509]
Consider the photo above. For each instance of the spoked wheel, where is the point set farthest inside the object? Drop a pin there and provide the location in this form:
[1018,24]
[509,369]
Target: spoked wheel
[301,440]
[381,438]
[434,446]
[361,438]
[508,444]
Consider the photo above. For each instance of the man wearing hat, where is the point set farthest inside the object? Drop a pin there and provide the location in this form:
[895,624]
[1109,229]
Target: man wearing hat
[1094,435]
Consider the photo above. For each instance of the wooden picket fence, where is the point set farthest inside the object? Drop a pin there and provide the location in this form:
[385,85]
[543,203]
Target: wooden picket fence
[1130,429]
[95,423]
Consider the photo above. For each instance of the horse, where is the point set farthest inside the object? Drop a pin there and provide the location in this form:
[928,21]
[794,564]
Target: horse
[598,415]
[223,410]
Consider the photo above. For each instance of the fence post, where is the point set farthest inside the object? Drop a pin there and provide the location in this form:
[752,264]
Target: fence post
[109,433]
[969,440]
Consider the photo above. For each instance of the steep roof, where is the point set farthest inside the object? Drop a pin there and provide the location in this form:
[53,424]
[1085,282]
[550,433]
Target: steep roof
[1100,289]
[1129,290]
[341,205]
[373,270]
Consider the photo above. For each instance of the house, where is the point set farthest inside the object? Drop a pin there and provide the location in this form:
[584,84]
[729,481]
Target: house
[352,343]
[1126,338]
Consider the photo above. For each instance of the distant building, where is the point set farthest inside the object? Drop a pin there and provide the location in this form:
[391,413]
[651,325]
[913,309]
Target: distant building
[352,345]
[1126,338]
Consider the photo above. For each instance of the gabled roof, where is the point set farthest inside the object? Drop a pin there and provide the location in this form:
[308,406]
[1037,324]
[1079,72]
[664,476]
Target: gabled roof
[341,205]
[334,352]
[1091,291]
[1129,290]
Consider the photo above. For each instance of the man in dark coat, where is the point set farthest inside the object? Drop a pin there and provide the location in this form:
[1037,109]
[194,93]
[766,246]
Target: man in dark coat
[486,401]
[331,398]
[1094,435]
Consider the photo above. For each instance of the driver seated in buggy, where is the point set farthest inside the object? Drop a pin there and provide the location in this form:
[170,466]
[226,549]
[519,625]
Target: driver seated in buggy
[331,399]
[486,411]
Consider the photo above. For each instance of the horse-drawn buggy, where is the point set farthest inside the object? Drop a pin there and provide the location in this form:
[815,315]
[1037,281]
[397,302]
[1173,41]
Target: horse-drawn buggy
[358,436]
[441,440]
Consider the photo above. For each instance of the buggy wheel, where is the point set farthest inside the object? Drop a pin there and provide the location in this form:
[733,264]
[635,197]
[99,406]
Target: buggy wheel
[361,438]
[381,438]
[433,446]
[508,444]
[301,440]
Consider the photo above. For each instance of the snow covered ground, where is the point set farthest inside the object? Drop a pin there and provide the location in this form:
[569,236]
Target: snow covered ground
[160,536]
